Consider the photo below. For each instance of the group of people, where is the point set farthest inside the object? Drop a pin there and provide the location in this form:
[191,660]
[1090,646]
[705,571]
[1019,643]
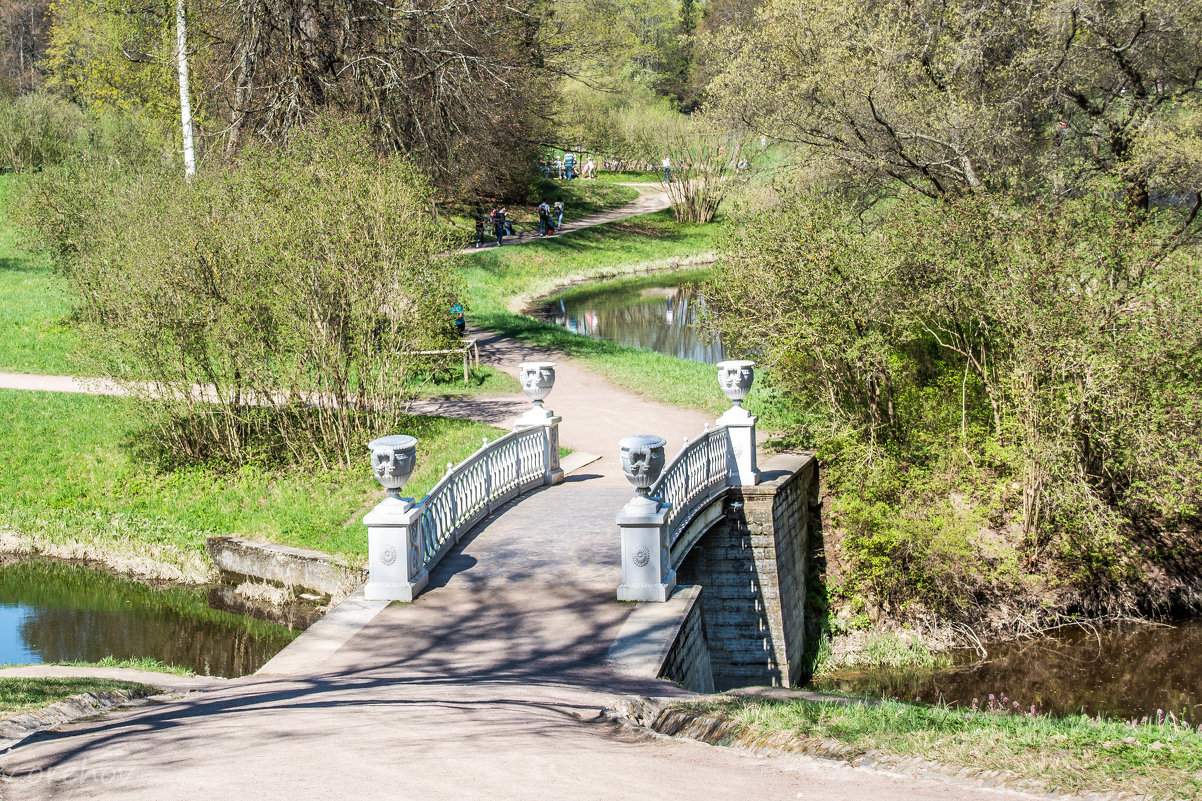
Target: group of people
[550,219]
[566,167]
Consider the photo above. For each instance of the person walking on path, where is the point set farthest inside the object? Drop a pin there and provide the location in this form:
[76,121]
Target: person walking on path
[559,212]
[498,223]
[544,219]
[569,161]
[667,165]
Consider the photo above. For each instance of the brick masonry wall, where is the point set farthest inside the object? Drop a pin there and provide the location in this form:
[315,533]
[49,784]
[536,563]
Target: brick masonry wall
[752,567]
[688,662]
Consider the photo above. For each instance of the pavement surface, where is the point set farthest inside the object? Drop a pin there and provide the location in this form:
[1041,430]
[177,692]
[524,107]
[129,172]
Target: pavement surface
[489,686]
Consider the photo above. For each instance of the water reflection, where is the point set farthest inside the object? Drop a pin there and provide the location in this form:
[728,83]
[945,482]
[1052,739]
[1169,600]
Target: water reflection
[658,313]
[1129,671]
[54,612]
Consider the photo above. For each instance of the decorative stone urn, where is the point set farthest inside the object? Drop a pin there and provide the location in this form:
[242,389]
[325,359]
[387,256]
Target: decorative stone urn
[537,378]
[642,460]
[392,461]
[735,377]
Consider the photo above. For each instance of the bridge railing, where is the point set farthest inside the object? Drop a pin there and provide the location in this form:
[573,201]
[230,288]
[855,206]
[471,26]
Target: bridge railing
[406,540]
[661,523]
[698,471]
[496,473]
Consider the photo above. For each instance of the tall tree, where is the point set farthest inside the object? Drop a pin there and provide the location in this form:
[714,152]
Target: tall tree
[946,98]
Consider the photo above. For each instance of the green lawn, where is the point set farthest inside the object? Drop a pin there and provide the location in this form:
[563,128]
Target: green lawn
[24,695]
[72,471]
[34,302]
[1075,754]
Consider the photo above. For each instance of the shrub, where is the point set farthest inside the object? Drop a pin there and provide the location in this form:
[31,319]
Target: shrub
[268,309]
[1042,360]
[36,130]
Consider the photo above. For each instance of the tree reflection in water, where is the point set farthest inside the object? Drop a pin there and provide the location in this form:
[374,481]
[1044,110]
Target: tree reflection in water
[659,313]
[1126,671]
[67,613]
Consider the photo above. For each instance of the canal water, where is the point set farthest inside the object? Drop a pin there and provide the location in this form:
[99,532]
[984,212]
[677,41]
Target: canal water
[659,312]
[1124,672]
[59,612]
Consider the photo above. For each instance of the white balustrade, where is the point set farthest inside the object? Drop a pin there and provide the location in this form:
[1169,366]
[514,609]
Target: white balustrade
[694,476]
[406,540]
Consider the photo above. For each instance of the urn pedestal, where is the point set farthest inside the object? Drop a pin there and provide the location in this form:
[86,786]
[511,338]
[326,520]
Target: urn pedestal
[647,574]
[393,526]
[735,378]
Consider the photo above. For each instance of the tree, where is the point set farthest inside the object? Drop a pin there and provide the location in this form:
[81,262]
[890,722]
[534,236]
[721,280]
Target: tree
[950,99]
[267,310]
[23,26]
[459,86]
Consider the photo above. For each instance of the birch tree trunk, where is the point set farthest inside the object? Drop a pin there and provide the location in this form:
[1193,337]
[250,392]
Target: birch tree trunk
[185,103]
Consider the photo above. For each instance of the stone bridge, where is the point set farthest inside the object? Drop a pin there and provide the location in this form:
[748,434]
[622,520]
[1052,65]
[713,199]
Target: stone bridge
[712,547]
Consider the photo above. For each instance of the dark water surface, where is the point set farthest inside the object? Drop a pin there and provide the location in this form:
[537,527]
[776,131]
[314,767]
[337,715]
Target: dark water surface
[56,612]
[1126,672]
[658,313]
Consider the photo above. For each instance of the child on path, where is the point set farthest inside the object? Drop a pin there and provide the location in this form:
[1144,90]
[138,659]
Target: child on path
[559,212]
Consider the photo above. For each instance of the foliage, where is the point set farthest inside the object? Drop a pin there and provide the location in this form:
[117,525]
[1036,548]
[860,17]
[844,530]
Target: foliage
[999,389]
[109,58]
[36,130]
[265,310]
[946,99]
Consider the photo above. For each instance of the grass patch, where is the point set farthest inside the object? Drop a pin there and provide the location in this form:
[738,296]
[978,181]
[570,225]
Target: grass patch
[1075,754]
[504,279]
[19,695]
[34,304]
[72,473]
[146,663]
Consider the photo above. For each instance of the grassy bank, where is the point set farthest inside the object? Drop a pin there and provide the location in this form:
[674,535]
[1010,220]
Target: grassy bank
[502,281]
[76,472]
[1074,754]
[25,695]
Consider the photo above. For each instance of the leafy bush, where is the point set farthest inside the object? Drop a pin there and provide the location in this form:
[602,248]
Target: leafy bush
[36,130]
[268,309]
[1039,362]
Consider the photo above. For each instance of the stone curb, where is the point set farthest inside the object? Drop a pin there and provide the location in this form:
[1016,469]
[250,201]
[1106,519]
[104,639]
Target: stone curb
[662,718]
[18,728]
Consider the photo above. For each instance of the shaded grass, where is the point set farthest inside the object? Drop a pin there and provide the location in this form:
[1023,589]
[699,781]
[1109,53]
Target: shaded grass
[449,381]
[1076,754]
[71,473]
[19,695]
